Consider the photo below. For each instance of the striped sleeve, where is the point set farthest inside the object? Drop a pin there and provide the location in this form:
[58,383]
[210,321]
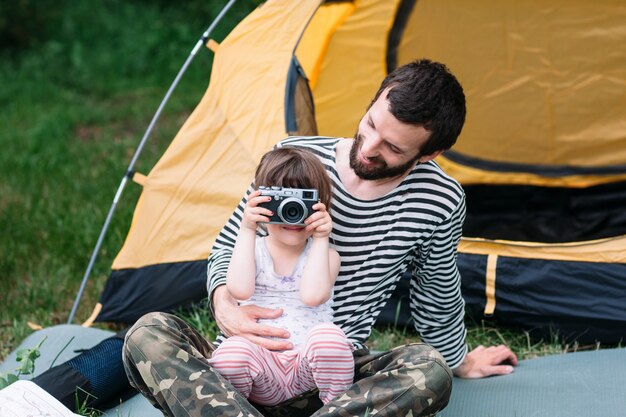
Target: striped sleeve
[437,305]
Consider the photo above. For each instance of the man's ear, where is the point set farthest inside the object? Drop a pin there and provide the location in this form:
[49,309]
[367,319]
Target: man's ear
[430,157]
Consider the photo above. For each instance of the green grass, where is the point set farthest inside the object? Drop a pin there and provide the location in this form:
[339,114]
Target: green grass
[72,111]
[387,337]
[484,334]
[74,104]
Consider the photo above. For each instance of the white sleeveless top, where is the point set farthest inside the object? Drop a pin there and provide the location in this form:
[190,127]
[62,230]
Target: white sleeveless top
[280,291]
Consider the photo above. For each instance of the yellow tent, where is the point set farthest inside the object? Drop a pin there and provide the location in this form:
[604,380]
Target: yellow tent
[542,156]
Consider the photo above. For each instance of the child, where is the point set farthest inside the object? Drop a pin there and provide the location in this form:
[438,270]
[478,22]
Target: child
[292,268]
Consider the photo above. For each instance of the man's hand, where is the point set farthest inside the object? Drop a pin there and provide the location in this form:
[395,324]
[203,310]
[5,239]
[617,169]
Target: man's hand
[236,320]
[482,362]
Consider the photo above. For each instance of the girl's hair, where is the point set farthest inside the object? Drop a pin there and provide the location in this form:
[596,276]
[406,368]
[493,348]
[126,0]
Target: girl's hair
[294,167]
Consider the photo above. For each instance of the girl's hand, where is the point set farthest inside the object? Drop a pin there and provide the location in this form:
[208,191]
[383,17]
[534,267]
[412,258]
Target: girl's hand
[252,213]
[320,222]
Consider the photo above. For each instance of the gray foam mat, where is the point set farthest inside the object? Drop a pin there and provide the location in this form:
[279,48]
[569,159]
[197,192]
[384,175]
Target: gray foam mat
[574,384]
[79,338]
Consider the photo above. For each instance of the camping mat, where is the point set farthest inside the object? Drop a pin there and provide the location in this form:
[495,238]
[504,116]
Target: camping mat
[574,384]
[57,337]
[79,338]
[136,406]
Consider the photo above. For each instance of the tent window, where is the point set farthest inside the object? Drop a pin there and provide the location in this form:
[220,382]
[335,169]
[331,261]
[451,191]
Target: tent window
[299,105]
[545,214]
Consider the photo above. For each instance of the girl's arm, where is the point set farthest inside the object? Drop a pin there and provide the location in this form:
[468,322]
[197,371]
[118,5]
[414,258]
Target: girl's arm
[241,274]
[322,264]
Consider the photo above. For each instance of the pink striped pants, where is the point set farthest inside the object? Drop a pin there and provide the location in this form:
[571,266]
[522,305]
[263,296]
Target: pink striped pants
[268,377]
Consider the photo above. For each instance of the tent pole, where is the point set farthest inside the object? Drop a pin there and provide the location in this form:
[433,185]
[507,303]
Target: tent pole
[129,170]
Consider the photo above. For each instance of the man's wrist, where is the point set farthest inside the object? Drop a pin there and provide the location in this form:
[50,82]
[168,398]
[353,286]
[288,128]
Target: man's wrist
[219,294]
[216,296]
[462,369]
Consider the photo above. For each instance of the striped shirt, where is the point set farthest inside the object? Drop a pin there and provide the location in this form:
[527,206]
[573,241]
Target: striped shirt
[417,225]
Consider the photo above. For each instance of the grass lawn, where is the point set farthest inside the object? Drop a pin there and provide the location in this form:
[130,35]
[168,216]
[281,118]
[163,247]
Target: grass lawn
[74,105]
[76,98]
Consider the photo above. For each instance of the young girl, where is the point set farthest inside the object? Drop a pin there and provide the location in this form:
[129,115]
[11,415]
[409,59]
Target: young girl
[292,268]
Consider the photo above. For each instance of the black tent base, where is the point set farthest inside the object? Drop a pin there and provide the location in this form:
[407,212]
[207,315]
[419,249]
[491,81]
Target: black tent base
[575,301]
[574,306]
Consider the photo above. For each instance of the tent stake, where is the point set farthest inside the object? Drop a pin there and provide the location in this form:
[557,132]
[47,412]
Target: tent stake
[129,171]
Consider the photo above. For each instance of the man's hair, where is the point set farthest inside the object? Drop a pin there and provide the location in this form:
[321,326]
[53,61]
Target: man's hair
[294,167]
[427,94]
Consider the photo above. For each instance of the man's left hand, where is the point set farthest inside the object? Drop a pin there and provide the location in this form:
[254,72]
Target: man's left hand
[482,362]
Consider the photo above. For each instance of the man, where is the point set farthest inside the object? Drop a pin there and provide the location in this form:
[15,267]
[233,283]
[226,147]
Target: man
[393,209]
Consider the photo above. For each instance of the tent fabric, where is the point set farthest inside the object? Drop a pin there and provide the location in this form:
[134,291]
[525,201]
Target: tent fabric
[315,40]
[542,157]
[544,81]
[568,293]
[192,190]
[588,306]
[543,95]
[545,88]
[131,293]
[356,57]
[471,175]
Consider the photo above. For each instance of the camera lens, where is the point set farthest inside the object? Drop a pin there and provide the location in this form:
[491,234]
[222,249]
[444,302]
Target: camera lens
[292,211]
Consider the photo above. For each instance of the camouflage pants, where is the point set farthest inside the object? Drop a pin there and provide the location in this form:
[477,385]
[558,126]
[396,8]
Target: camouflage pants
[166,360]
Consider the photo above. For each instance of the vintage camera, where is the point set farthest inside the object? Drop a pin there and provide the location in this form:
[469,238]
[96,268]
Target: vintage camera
[290,206]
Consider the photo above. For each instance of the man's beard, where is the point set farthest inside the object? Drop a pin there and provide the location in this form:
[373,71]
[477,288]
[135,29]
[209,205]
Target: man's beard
[381,170]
